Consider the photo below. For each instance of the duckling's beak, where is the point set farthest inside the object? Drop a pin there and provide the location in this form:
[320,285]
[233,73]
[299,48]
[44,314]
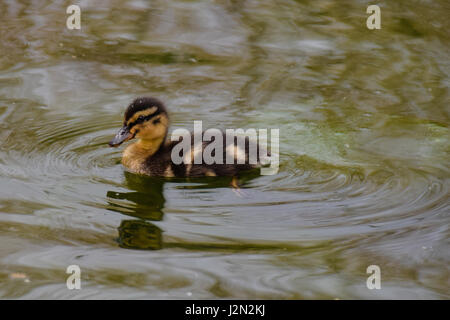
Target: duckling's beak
[123,135]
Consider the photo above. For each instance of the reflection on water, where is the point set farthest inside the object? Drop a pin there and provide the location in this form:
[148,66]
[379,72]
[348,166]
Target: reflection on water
[364,142]
[146,203]
[137,234]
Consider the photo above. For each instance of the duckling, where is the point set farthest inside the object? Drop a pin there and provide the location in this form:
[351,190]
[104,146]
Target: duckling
[147,120]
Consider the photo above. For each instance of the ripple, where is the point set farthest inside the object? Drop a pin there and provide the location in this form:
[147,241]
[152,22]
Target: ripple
[66,146]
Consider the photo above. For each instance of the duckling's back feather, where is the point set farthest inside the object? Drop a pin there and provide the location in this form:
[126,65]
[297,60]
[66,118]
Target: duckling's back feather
[161,164]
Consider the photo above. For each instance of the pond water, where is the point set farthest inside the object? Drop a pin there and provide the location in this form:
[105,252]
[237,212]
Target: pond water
[364,149]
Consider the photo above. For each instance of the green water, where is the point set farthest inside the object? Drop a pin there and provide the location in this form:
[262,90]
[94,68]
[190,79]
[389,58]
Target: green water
[364,149]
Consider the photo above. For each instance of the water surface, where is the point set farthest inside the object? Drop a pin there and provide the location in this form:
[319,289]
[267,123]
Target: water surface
[364,150]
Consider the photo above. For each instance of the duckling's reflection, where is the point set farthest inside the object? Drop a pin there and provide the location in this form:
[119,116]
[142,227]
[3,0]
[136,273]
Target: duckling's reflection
[147,198]
[138,234]
[147,201]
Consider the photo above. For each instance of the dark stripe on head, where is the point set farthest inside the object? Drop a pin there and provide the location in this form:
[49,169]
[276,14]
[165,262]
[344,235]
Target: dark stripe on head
[143,119]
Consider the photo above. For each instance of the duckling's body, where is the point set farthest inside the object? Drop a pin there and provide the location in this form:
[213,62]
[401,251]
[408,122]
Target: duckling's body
[140,160]
[147,120]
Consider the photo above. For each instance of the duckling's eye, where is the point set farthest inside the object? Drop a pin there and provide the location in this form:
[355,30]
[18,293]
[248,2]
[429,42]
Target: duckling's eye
[141,118]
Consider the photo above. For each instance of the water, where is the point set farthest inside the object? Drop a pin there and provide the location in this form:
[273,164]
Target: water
[364,142]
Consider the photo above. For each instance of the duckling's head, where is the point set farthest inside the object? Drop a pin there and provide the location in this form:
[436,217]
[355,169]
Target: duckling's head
[146,119]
